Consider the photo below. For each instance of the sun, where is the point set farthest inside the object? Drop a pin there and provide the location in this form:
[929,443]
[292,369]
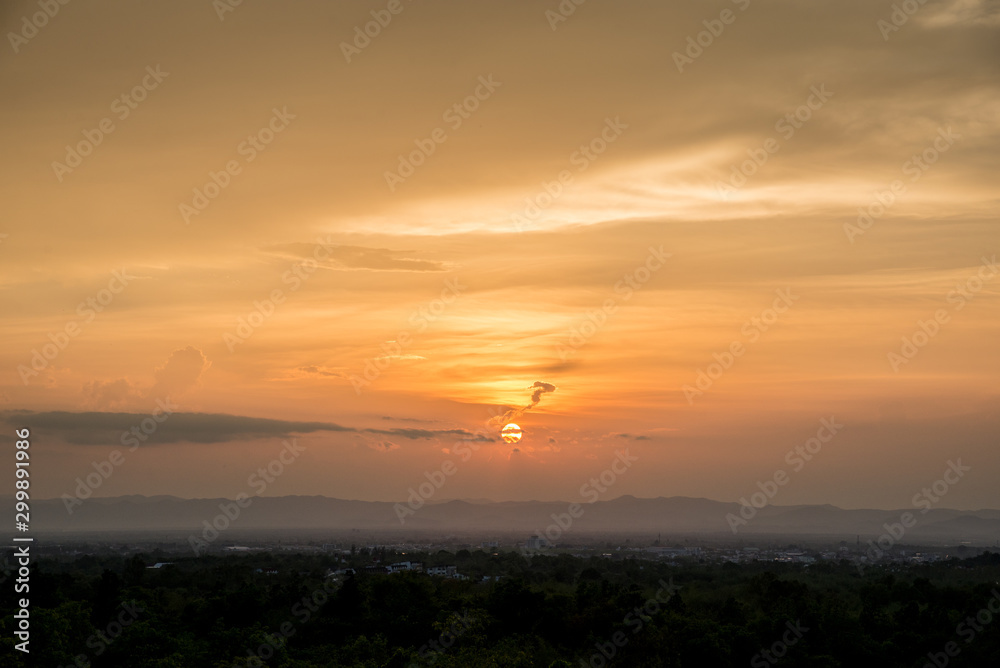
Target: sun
[511,433]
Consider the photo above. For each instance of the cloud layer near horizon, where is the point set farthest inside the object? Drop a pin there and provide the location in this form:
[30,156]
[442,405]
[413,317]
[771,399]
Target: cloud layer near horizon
[104,428]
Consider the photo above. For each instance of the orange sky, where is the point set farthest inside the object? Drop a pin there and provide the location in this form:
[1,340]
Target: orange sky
[575,178]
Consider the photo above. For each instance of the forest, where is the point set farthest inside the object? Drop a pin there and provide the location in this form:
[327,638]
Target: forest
[287,610]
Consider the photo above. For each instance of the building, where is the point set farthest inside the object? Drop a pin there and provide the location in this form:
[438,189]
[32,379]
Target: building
[341,572]
[401,566]
[536,543]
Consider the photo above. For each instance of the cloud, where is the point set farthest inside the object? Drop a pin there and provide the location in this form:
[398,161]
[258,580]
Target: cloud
[961,13]
[416,434]
[359,257]
[383,446]
[400,357]
[538,389]
[180,373]
[98,428]
[322,371]
[104,428]
[634,437]
[110,393]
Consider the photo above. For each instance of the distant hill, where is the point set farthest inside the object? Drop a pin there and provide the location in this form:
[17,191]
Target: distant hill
[627,514]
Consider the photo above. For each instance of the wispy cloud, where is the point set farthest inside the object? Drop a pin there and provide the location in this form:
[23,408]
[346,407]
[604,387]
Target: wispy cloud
[357,257]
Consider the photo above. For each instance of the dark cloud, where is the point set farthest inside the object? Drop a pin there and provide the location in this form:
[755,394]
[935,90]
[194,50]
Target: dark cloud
[538,389]
[416,434]
[322,371]
[422,434]
[405,419]
[100,428]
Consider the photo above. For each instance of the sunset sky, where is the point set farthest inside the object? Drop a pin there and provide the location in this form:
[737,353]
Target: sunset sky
[598,169]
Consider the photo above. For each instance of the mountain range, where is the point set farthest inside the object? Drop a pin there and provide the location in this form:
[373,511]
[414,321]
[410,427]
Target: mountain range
[625,514]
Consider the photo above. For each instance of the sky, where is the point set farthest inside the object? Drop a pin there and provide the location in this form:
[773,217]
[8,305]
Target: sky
[694,231]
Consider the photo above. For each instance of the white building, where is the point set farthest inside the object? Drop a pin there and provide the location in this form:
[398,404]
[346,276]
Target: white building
[536,543]
[406,566]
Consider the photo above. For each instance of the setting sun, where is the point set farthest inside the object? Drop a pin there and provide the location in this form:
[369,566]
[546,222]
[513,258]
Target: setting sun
[511,433]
